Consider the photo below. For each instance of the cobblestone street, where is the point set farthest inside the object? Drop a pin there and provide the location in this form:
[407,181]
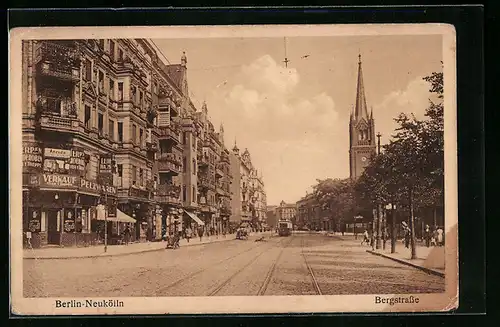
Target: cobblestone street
[302,264]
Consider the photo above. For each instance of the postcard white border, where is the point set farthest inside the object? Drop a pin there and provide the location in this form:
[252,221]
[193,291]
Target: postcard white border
[237,304]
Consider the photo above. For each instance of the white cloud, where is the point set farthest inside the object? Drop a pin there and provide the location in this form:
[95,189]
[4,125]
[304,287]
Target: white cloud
[413,99]
[288,133]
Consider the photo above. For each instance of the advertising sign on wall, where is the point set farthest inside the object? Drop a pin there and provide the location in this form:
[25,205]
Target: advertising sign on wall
[32,157]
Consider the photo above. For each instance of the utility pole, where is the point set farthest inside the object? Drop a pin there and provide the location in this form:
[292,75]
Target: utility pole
[286,61]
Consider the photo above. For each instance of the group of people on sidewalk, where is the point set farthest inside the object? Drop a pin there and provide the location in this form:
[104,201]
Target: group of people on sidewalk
[434,237]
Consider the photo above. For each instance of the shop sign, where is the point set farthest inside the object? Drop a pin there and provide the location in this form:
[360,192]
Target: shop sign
[99,188]
[57,153]
[32,156]
[69,221]
[59,180]
[105,164]
[76,161]
[34,222]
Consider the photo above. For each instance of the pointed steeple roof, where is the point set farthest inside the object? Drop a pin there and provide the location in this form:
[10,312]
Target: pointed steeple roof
[360,110]
[235,148]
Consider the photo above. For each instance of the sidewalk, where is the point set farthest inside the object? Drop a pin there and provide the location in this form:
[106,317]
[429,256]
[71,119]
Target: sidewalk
[429,259]
[116,250]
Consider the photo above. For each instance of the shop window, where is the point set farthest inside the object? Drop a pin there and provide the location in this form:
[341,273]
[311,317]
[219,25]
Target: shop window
[87,116]
[120,132]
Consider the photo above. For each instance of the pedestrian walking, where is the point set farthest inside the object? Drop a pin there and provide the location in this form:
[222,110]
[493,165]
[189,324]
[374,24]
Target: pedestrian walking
[439,238]
[126,234]
[427,235]
[366,238]
[200,232]
[407,238]
[189,234]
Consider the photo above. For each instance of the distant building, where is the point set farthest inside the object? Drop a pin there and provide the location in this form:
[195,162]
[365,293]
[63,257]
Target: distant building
[286,211]
[271,216]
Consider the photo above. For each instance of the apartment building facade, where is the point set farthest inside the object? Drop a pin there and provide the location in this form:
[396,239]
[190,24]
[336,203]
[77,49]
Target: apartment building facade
[107,124]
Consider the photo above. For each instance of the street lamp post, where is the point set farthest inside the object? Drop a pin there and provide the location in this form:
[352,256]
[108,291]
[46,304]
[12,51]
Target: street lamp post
[105,222]
[392,207]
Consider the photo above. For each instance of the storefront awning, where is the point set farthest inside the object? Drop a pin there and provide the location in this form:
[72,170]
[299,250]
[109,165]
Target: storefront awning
[121,217]
[195,218]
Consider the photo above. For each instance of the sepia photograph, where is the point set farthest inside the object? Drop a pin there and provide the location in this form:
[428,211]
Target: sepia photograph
[233,169]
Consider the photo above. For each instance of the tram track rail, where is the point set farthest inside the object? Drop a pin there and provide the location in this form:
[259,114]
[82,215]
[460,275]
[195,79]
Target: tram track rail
[211,266]
[221,286]
[310,270]
[270,272]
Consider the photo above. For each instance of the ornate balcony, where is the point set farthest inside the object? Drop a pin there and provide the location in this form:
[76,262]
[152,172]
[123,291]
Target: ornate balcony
[169,163]
[202,159]
[168,133]
[57,114]
[58,60]
[168,193]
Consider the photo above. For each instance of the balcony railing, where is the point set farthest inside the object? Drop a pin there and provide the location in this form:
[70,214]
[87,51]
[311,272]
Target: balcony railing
[168,132]
[168,193]
[58,60]
[169,162]
[57,114]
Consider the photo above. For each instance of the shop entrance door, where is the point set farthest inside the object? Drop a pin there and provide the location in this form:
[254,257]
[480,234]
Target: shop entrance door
[53,236]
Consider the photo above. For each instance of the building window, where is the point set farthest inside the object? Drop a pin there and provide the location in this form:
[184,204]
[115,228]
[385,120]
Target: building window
[184,137]
[184,193]
[88,70]
[141,176]
[194,193]
[101,82]
[120,55]
[87,116]
[101,43]
[184,164]
[141,135]
[100,123]
[134,175]
[111,89]
[141,95]
[194,167]
[112,49]
[120,132]
[134,133]
[120,174]
[111,129]
[120,91]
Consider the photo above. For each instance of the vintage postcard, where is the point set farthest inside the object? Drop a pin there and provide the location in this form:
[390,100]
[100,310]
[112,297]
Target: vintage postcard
[233,169]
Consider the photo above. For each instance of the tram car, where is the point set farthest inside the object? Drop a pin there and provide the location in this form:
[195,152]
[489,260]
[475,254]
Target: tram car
[285,228]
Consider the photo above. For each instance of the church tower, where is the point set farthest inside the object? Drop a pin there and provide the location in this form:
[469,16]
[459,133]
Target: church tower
[362,143]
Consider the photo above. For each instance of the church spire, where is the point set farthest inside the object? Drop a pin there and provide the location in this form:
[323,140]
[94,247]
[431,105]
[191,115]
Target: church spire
[360,110]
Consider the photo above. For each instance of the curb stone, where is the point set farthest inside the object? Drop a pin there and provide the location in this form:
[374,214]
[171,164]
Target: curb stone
[102,255]
[405,262]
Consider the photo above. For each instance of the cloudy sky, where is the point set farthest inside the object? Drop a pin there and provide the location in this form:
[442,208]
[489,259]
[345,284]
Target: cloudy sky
[294,121]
